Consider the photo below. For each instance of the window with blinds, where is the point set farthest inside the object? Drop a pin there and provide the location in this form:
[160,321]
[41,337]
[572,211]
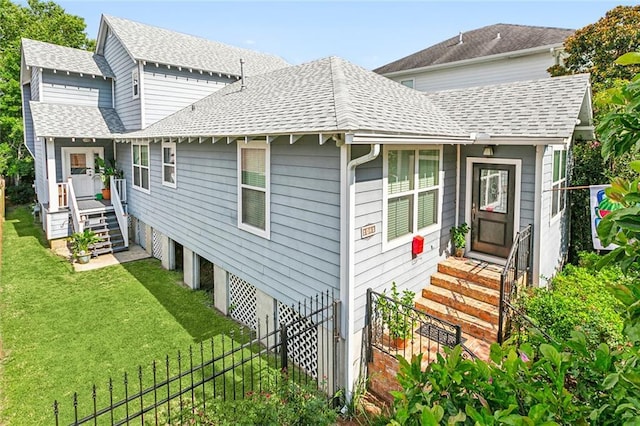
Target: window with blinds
[253,188]
[413,187]
[140,165]
[559,181]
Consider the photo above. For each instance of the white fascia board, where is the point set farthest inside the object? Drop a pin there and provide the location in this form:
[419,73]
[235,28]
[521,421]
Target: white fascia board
[524,141]
[373,138]
[478,60]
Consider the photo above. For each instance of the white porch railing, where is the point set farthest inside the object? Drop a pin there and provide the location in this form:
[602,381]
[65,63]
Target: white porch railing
[118,196]
[63,196]
[78,224]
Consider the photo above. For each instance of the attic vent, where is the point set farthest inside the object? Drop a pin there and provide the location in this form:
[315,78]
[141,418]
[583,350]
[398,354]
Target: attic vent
[460,38]
[498,36]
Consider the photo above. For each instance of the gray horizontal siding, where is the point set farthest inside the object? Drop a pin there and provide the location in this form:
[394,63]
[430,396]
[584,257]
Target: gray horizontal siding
[378,269]
[60,88]
[301,258]
[28,120]
[122,64]
[169,90]
[59,143]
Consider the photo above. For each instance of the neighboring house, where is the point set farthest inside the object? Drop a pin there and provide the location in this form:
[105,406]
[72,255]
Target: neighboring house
[493,54]
[313,178]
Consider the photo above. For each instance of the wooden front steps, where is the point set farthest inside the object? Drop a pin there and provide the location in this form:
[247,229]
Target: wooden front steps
[465,292]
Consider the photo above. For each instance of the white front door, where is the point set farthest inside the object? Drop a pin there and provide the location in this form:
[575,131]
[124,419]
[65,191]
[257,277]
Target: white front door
[79,165]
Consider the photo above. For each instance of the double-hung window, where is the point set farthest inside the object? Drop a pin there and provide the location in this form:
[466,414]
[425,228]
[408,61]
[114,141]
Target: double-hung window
[140,166]
[253,187]
[169,164]
[412,191]
[559,181]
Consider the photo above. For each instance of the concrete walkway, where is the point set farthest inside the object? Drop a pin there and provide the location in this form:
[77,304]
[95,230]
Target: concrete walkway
[135,252]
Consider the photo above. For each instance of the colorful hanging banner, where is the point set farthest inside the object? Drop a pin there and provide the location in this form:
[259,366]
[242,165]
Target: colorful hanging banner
[601,206]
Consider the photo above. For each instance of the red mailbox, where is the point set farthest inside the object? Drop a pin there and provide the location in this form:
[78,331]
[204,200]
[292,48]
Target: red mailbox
[417,245]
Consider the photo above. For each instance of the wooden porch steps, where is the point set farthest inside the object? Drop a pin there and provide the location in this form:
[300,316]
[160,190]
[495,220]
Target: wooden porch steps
[105,225]
[465,292]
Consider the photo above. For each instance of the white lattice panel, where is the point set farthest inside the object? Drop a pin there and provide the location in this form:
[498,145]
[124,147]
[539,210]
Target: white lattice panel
[157,244]
[242,297]
[302,345]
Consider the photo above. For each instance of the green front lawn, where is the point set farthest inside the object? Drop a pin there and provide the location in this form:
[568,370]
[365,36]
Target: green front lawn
[63,331]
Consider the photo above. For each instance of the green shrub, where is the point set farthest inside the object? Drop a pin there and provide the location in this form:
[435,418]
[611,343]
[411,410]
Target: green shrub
[21,194]
[286,404]
[579,298]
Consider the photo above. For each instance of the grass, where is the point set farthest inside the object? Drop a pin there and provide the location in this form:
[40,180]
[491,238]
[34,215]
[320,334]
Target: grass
[64,331]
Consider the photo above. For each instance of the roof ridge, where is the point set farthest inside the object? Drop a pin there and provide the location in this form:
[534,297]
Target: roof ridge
[345,116]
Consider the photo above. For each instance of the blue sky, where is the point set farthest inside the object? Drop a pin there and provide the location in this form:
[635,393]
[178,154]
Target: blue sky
[368,33]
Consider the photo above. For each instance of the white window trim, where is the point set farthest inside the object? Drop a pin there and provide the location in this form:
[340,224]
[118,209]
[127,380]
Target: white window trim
[405,239]
[135,76]
[412,80]
[173,146]
[266,232]
[140,188]
[556,217]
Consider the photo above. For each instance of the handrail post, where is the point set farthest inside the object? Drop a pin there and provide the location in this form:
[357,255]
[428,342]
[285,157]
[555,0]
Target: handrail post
[458,334]
[368,324]
[501,308]
[284,362]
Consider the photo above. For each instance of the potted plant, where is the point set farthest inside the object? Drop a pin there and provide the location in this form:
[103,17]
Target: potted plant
[397,315]
[105,175]
[80,243]
[459,237]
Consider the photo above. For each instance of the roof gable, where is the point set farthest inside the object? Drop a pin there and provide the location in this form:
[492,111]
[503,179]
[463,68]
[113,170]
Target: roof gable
[486,41]
[327,95]
[52,56]
[542,108]
[158,45]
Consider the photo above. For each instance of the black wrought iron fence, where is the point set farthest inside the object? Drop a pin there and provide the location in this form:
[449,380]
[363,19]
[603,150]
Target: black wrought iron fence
[399,329]
[225,367]
[517,270]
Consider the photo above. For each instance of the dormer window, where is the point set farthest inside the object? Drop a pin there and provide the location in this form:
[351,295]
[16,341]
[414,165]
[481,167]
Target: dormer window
[135,84]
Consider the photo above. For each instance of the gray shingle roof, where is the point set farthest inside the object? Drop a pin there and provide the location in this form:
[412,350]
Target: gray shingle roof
[153,44]
[480,42]
[327,95]
[538,108]
[54,57]
[69,121]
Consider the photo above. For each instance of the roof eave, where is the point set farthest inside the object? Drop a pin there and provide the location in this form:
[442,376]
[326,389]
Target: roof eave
[480,59]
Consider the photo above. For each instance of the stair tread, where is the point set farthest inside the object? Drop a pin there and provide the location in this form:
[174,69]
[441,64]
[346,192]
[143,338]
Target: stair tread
[482,273]
[461,298]
[423,303]
[466,284]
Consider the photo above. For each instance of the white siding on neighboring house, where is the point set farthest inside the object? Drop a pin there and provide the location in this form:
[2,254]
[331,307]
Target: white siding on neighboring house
[122,64]
[166,91]
[60,88]
[553,232]
[505,70]
[377,269]
[302,256]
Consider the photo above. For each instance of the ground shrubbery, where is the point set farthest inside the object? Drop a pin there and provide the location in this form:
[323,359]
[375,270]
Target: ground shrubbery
[579,298]
[21,194]
[286,404]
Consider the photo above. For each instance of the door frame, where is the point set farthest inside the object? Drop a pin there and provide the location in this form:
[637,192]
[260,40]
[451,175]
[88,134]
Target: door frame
[66,150]
[468,202]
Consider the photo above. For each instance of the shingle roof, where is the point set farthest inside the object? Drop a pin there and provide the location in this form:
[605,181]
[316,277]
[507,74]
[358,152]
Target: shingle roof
[327,95]
[54,57]
[68,121]
[478,43]
[538,108]
[153,44]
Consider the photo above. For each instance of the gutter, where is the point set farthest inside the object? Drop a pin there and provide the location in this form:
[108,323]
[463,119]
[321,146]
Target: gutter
[347,289]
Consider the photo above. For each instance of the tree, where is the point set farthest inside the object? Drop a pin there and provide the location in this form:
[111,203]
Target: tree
[45,21]
[595,48]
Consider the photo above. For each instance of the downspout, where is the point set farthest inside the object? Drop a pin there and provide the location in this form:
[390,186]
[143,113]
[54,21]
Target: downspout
[457,184]
[349,263]
[537,216]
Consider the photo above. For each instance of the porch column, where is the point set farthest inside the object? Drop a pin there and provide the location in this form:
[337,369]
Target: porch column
[51,175]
